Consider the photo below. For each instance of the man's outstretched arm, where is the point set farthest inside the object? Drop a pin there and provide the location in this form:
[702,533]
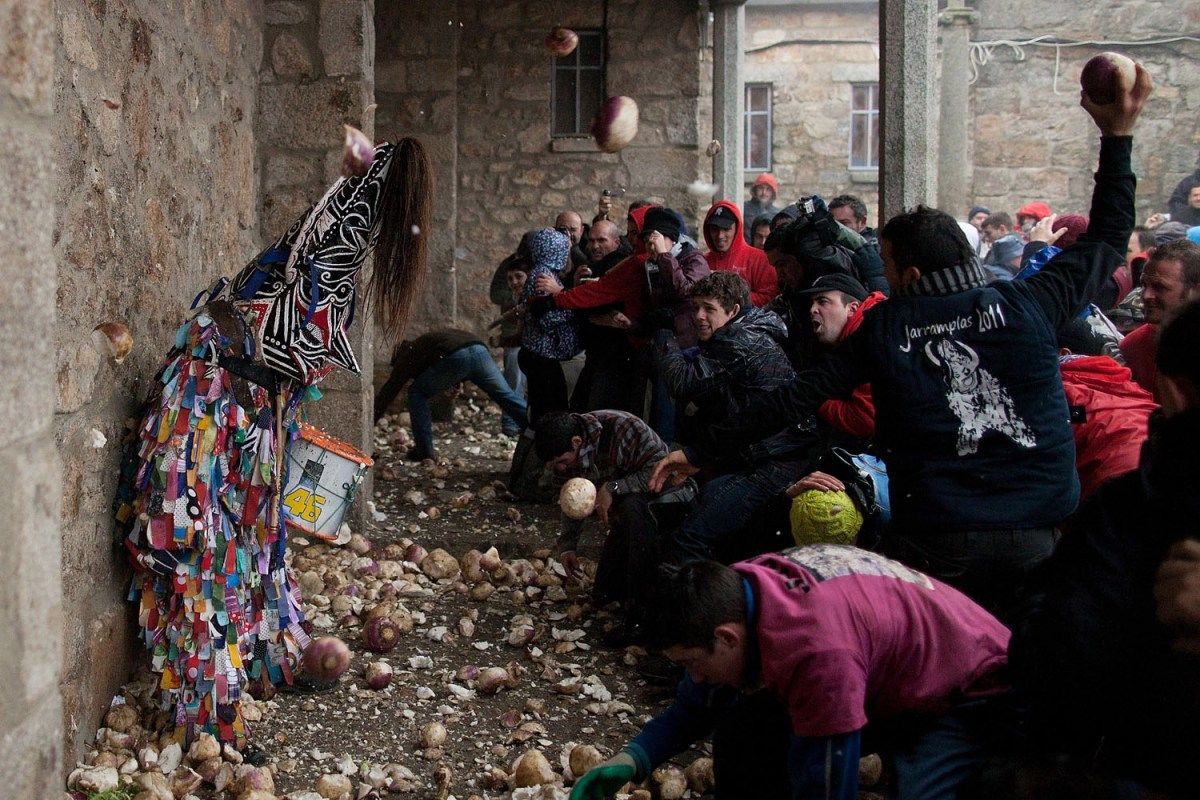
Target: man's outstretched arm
[1073,278]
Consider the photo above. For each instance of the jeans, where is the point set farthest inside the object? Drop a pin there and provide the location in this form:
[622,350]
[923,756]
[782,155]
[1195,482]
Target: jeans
[933,760]
[516,381]
[755,753]
[471,363]
[661,416]
[612,384]
[626,570]
[990,567]
[726,504]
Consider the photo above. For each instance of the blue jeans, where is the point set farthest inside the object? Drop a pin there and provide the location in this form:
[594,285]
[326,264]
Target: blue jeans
[755,753]
[726,504]
[471,363]
[516,381]
[933,761]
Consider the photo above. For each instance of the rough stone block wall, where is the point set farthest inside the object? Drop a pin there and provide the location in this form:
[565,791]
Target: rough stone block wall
[1033,143]
[415,86]
[31,633]
[479,73]
[812,94]
[316,75]
[156,195]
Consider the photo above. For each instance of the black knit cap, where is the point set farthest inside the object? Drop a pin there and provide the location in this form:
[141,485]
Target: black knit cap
[662,220]
[837,282]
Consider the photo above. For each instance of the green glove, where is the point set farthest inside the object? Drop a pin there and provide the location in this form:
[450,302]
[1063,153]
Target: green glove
[604,780]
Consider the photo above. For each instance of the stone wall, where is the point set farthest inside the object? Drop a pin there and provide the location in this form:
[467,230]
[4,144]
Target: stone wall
[811,92]
[472,80]
[155,195]
[317,74]
[1033,143]
[416,88]
[31,634]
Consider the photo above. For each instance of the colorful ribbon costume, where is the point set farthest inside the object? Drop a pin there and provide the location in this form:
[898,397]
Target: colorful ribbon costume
[198,501]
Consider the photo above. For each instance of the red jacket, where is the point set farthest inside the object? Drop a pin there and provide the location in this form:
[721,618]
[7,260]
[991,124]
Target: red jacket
[855,414]
[625,285]
[1110,414]
[748,262]
[1140,348]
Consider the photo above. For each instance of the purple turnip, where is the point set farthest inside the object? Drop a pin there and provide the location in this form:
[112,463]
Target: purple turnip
[1106,76]
[380,635]
[616,123]
[358,154]
[561,42]
[326,659]
[379,675]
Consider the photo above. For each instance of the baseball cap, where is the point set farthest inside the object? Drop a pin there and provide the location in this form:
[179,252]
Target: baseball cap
[722,217]
[837,282]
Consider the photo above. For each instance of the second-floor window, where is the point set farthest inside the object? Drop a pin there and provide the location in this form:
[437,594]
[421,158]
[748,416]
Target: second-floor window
[577,86]
[758,127]
[864,126]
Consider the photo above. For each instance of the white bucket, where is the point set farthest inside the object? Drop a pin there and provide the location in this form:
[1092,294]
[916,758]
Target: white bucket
[323,475]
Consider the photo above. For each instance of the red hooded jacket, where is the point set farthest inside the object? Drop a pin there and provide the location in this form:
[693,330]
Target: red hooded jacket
[1110,414]
[747,262]
[855,414]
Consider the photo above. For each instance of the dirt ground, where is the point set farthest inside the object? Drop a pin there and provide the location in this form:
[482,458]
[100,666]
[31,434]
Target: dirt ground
[587,694]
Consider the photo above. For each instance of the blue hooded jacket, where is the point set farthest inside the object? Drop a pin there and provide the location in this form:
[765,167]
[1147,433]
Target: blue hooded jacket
[554,334]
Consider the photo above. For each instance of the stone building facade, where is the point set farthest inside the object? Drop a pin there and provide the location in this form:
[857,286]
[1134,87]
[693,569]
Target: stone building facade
[155,194]
[1028,139]
[31,608]
[474,82]
[810,57]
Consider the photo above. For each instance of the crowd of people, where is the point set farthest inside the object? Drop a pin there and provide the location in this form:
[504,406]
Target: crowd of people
[926,491]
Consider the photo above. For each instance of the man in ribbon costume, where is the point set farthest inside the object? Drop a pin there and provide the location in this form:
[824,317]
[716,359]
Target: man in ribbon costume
[199,501]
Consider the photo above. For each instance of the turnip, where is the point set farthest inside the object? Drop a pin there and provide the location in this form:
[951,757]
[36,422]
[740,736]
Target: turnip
[532,769]
[561,42]
[1106,76]
[379,675]
[358,154]
[326,659]
[577,498]
[380,635]
[615,124]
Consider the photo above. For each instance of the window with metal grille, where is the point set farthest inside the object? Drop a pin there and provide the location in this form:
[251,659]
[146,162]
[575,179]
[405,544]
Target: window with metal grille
[577,86]
[758,127]
[864,126]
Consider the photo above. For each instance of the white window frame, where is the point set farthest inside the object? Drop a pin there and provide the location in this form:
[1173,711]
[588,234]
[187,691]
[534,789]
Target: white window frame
[571,64]
[748,115]
[872,115]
